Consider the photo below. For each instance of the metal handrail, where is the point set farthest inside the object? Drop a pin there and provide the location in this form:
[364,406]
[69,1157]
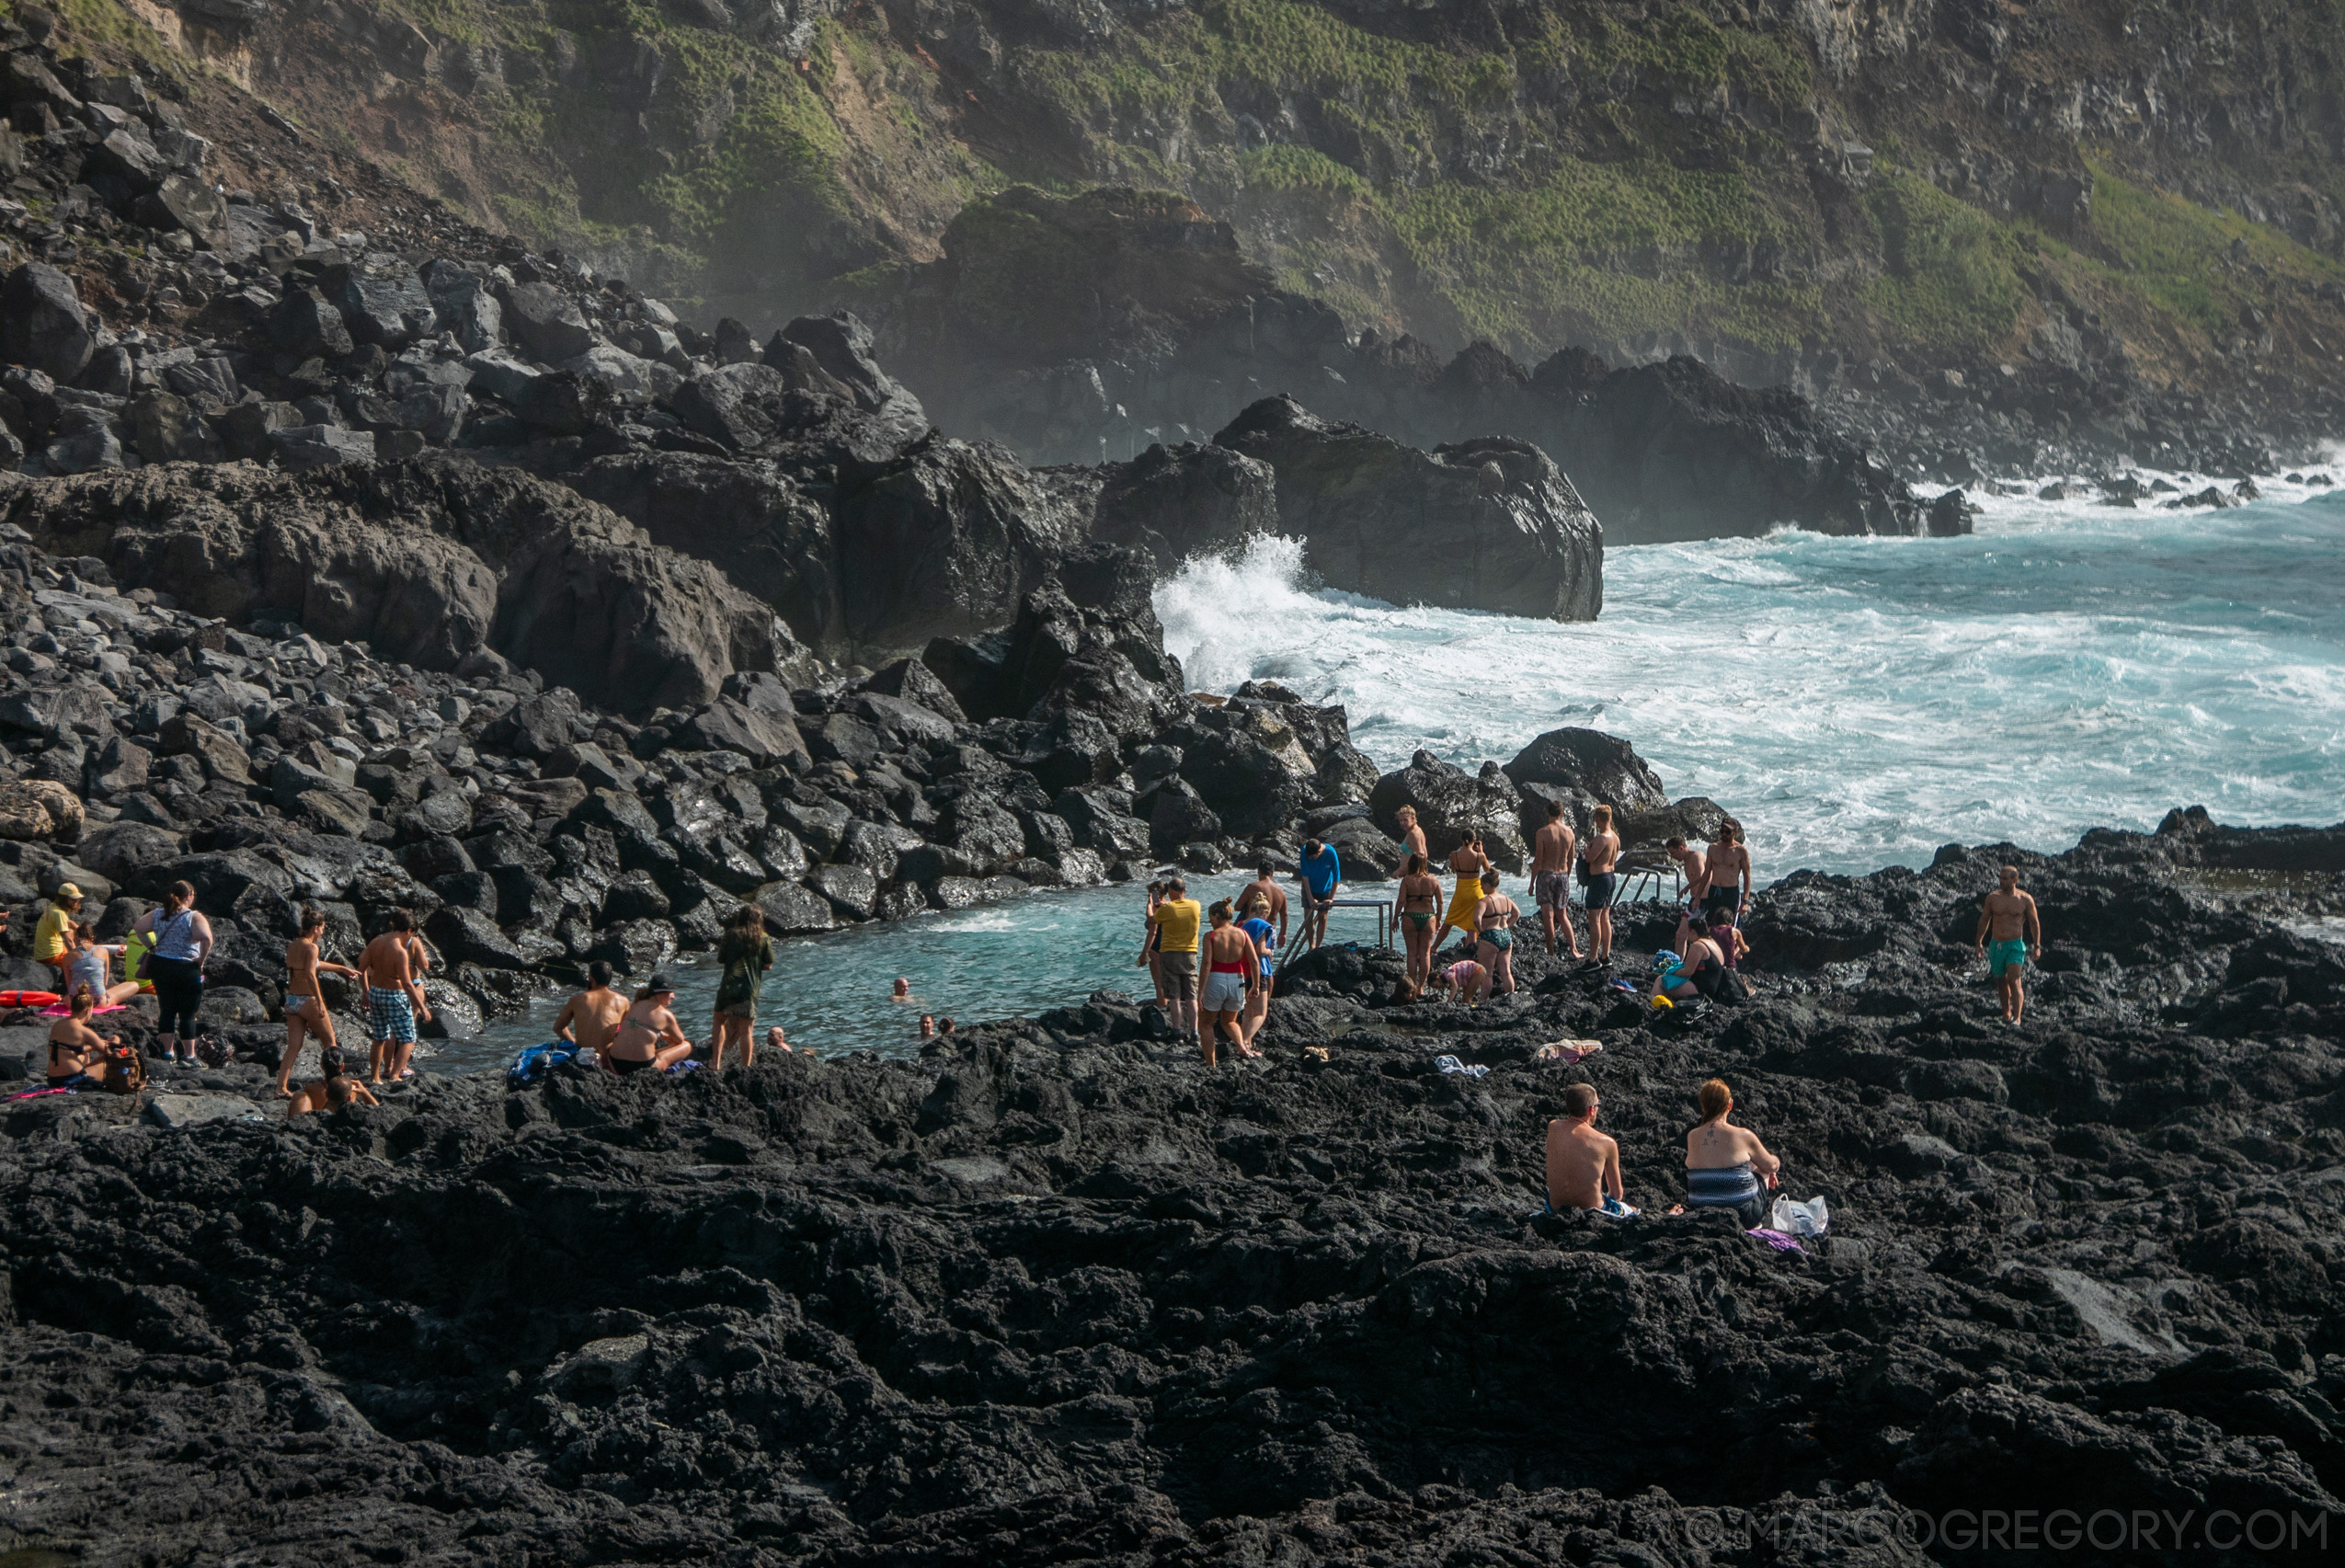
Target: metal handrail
[1383,908]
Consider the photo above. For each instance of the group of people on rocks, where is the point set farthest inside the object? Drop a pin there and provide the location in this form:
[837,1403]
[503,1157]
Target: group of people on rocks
[1213,968]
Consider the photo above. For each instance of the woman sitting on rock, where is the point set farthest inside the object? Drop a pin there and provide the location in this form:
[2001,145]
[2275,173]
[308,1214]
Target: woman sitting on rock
[1700,967]
[648,1022]
[91,964]
[1726,1166]
[334,1091]
[77,1058]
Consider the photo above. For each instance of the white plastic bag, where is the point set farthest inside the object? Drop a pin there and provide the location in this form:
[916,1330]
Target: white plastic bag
[1796,1219]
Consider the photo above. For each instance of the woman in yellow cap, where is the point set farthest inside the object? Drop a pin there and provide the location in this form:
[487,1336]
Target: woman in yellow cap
[52,939]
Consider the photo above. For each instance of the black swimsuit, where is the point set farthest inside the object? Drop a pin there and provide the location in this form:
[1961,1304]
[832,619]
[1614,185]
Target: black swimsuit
[1707,974]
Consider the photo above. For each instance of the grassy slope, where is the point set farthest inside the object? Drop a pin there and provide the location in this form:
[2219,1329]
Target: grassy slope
[1652,177]
[1599,173]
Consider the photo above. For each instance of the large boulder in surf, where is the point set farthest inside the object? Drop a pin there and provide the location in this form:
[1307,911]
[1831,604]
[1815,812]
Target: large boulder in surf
[1085,641]
[1592,764]
[1175,502]
[1452,803]
[942,540]
[1484,524]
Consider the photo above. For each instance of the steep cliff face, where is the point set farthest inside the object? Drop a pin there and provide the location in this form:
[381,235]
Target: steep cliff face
[1795,190]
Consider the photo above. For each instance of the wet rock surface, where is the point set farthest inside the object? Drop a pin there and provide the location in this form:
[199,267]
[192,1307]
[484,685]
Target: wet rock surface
[1057,1292]
[396,758]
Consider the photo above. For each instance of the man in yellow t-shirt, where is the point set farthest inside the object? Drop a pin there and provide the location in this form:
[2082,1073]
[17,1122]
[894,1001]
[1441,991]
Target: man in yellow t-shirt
[52,939]
[1177,920]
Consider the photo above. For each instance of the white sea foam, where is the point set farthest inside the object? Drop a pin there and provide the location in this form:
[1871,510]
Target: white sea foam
[1858,701]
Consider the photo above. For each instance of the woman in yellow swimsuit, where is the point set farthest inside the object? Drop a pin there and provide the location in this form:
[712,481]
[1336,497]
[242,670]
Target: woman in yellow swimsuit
[1468,861]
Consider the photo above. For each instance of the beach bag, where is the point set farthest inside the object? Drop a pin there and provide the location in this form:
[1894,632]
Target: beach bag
[536,1061]
[214,1051]
[1733,989]
[1796,1219]
[125,1070]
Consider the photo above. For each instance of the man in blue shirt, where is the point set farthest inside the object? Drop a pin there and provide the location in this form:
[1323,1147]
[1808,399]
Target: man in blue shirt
[1320,873]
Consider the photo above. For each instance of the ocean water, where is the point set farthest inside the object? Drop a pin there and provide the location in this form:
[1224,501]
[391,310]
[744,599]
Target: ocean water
[1855,702]
[834,992]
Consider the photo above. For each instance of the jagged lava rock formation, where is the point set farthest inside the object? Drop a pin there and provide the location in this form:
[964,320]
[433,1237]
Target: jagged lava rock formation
[1054,1292]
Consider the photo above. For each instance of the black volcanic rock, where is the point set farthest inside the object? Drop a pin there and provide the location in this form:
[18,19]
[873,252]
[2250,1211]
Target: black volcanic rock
[2094,1251]
[1488,524]
[1597,764]
[1181,332]
[433,560]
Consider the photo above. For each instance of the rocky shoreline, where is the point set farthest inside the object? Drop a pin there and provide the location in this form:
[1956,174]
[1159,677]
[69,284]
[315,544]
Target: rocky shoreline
[1057,1292]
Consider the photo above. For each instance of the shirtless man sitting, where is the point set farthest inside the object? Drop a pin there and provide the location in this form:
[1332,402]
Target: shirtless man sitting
[1583,1164]
[1552,849]
[590,1018]
[2011,936]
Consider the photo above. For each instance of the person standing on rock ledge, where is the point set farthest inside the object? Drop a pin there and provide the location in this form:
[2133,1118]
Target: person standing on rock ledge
[1470,864]
[393,998]
[747,952]
[1598,856]
[1178,918]
[181,941]
[1264,935]
[590,1018]
[2011,934]
[52,934]
[305,1009]
[1414,906]
[1232,976]
[1320,872]
[1552,877]
[1266,887]
[1494,920]
[1694,866]
[1726,894]
[1411,836]
[1583,1164]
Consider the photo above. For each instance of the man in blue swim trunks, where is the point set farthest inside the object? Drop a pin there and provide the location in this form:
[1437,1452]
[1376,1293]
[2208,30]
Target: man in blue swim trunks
[2011,936]
[1320,871]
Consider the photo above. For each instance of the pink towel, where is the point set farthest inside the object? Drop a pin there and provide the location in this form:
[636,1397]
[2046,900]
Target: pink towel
[62,1011]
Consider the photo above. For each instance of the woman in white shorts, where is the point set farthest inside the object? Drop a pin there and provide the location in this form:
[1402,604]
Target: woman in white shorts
[1231,974]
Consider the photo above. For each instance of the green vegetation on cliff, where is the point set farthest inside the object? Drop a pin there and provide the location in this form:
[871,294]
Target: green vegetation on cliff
[1613,171]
